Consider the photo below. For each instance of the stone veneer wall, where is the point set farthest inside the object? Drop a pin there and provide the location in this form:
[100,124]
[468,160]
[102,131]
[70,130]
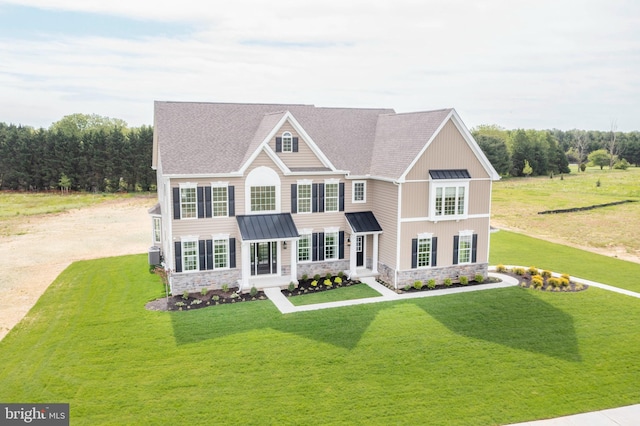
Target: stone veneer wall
[439,274]
[322,268]
[196,281]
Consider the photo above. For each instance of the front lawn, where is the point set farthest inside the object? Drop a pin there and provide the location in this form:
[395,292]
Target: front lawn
[355,291]
[488,357]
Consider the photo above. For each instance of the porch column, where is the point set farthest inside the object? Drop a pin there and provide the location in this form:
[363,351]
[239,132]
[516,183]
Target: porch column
[293,244]
[353,257]
[246,265]
[374,261]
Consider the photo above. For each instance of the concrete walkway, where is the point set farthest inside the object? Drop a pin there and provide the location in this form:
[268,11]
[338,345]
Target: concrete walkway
[623,416]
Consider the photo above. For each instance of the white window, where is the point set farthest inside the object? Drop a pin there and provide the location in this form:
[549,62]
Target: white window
[304,248]
[330,245]
[465,242]
[190,255]
[287,142]
[221,253]
[304,197]
[188,202]
[263,198]
[359,191]
[424,251]
[449,201]
[220,199]
[157,230]
[331,192]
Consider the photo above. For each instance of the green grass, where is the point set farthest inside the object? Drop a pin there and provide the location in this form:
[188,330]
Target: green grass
[13,204]
[357,291]
[511,248]
[489,357]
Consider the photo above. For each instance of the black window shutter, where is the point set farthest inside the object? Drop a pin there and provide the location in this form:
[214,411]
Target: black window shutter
[232,252]
[341,245]
[474,248]
[295,144]
[200,197]
[294,198]
[278,144]
[314,246]
[202,254]
[456,241]
[176,203]
[314,198]
[414,253]
[209,254]
[320,245]
[178,255]
[341,199]
[321,197]
[207,201]
[231,199]
[434,251]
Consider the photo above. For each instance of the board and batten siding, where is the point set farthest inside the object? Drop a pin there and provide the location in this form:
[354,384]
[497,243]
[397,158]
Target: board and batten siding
[384,202]
[444,231]
[305,157]
[449,150]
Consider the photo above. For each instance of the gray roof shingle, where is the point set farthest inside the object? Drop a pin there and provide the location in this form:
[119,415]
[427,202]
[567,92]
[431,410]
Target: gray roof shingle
[206,138]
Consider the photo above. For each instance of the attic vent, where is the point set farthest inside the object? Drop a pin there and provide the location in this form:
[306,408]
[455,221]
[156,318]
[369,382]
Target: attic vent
[450,174]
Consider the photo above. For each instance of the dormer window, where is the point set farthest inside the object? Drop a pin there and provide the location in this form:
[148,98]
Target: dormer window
[287,142]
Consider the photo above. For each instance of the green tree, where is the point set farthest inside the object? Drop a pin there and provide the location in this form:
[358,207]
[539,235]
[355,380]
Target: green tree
[599,157]
[65,183]
[527,170]
[496,151]
[78,124]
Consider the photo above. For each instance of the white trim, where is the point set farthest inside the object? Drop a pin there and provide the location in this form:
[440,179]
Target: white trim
[219,184]
[398,235]
[308,233]
[430,219]
[188,185]
[304,182]
[332,229]
[336,231]
[276,159]
[290,135]
[328,182]
[465,232]
[434,184]
[262,176]
[430,180]
[154,218]
[353,191]
[220,237]
[424,235]
[189,239]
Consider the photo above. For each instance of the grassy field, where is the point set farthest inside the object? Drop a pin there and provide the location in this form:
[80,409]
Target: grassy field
[490,357]
[357,291]
[615,229]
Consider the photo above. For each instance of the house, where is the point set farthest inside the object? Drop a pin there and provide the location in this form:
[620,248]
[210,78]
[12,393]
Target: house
[262,194]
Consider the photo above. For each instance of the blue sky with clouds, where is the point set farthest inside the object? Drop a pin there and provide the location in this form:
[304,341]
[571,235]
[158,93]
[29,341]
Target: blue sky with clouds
[519,64]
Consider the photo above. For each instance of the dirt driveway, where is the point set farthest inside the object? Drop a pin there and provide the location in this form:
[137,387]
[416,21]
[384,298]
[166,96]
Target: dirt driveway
[46,245]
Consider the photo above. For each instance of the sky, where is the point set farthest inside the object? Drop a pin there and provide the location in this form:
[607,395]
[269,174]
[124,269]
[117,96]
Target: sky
[537,64]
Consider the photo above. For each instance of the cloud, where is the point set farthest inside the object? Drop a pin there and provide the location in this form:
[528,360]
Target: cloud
[519,64]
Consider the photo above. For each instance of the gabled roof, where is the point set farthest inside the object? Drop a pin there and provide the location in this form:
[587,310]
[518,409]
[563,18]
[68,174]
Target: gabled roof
[200,139]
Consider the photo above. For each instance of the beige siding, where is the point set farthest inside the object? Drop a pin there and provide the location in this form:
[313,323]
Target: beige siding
[349,205]
[479,196]
[415,196]
[448,150]
[305,157]
[385,207]
[445,232]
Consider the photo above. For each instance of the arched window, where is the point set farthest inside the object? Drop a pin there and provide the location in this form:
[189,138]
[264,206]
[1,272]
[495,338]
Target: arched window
[262,191]
[287,142]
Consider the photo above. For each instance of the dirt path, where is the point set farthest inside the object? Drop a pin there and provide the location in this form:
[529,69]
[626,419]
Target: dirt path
[29,262]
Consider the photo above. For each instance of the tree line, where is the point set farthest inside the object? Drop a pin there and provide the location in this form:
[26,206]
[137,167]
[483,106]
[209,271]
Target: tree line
[543,152]
[80,152]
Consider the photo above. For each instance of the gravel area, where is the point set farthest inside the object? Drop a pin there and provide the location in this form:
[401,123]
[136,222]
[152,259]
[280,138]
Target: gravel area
[42,247]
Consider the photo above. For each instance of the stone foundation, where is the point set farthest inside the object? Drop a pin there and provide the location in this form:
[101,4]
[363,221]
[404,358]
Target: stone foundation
[322,268]
[196,281]
[439,274]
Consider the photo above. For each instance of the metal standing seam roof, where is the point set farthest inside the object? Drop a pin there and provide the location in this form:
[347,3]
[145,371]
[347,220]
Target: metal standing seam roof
[363,222]
[450,174]
[267,226]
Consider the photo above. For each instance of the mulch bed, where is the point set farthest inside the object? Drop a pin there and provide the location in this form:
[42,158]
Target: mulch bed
[198,300]
[525,282]
[440,286]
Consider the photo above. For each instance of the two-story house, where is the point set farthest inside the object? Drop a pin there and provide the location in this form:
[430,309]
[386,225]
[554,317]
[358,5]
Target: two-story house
[260,194]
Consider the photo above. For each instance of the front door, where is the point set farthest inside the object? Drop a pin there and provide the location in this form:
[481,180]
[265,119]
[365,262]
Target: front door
[359,250]
[264,258]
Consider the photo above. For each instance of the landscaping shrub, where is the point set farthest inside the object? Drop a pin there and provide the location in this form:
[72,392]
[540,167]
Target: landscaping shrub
[564,282]
[316,277]
[185,295]
[204,291]
[215,298]
[537,281]
[431,283]
[533,270]
[518,271]
[196,302]
[225,288]
[328,282]
[479,278]
[315,282]
[305,277]
[340,274]
[448,282]
[338,280]
[464,280]
[253,291]
[328,276]
[501,268]
[292,286]
[546,273]
[417,284]
[554,282]
[621,164]
[407,287]
[566,276]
